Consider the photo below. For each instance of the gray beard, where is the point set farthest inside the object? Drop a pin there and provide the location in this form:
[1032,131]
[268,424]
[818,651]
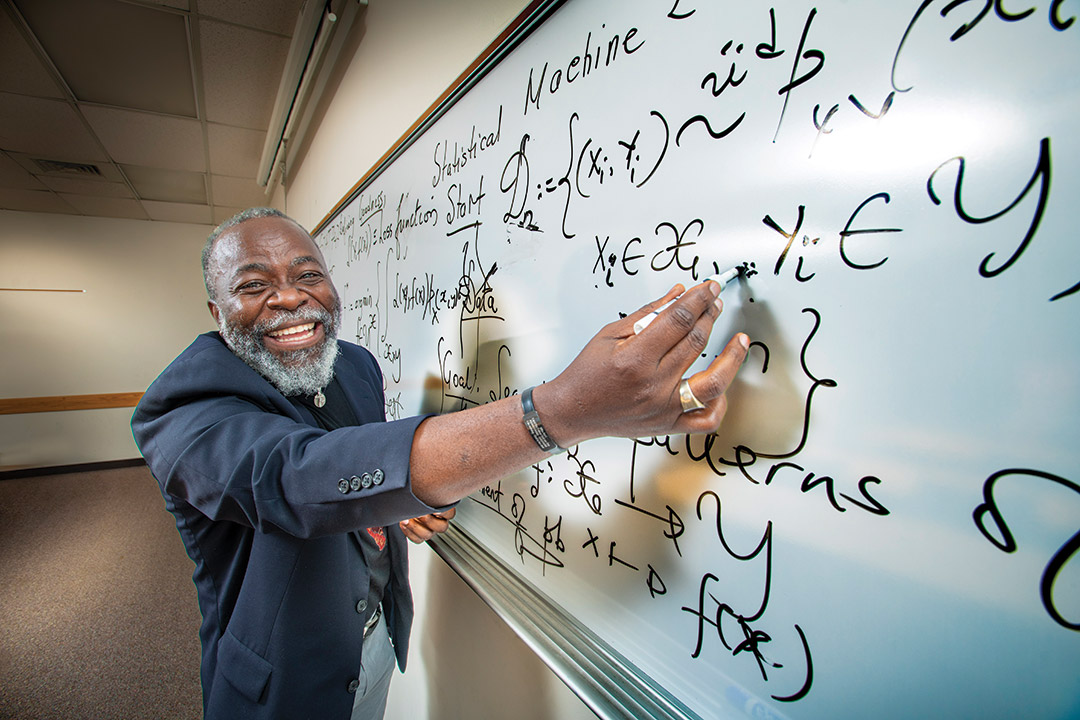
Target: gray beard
[296,372]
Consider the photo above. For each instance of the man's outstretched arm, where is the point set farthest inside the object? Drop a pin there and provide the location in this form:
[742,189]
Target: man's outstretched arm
[621,384]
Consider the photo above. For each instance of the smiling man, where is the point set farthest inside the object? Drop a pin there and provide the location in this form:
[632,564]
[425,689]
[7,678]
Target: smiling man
[289,346]
[294,496]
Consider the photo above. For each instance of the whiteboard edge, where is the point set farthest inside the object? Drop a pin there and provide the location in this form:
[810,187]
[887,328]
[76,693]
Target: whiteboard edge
[609,684]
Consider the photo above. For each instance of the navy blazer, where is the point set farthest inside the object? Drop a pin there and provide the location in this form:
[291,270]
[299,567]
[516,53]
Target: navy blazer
[267,504]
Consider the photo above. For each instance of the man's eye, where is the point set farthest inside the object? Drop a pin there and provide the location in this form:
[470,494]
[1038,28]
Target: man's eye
[251,287]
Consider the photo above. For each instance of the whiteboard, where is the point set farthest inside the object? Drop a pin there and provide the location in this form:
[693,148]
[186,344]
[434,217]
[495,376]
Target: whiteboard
[887,524]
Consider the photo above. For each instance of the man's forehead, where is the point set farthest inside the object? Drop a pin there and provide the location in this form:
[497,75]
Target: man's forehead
[264,241]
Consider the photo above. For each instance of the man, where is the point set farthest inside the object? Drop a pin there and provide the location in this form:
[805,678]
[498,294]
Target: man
[294,496]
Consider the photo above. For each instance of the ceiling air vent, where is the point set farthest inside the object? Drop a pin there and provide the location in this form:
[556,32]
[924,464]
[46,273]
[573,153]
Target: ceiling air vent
[59,167]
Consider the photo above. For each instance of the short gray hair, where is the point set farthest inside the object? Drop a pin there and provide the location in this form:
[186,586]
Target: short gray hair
[240,217]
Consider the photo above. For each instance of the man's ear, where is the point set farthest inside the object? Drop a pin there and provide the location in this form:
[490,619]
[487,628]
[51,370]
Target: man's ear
[215,311]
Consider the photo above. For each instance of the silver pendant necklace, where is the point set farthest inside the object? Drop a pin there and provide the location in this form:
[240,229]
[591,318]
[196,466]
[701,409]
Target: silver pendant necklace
[320,399]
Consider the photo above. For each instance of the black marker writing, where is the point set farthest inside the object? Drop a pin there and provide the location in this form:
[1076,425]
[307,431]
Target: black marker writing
[753,639]
[580,66]
[633,154]
[1006,543]
[675,525]
[1054,18]
[675,15]
[655,583]
[446,167]
[790,236]
[673,253]
[526,544]
[817,382]
[1040,177]
[713,80]
[848,232]
[516,182]
[613,558]
[677,252]
[822,125]
[503,391]
[463,204]
[879,114]
[795,80]
[585,478]
[811,480]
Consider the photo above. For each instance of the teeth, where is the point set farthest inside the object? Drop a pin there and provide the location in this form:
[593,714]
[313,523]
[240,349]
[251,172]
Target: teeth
[293,330]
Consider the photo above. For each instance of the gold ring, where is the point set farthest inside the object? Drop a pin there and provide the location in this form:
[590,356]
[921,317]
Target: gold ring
[687,398]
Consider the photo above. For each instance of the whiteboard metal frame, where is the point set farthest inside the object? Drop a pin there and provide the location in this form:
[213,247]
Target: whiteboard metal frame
[607,682]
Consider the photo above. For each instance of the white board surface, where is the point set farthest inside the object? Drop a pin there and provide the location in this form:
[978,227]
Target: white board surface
[902,178]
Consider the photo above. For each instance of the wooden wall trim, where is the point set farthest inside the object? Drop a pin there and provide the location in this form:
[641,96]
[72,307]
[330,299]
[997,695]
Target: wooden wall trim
[56,403]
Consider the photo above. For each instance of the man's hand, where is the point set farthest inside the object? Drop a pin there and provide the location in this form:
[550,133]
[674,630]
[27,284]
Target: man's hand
[423,528]
[624,384]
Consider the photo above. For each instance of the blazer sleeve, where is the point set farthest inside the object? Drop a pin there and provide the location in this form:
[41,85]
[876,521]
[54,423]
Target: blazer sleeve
[219,437]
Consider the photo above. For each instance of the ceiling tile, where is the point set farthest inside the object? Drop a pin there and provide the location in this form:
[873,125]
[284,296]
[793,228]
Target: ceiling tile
[178,212]
[13,175]
[235,151]
[81,186]
[23,71]
[45,128]
[117,53]
[106,207]
[241,192]
[242,70]
[34,201]
[166,185]
[109,171]
[276,16]
[147,139]
[118,57]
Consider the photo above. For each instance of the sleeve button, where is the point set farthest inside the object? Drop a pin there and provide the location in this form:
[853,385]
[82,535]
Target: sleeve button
[378,476]
[354,483]
[343,485]
[366,480]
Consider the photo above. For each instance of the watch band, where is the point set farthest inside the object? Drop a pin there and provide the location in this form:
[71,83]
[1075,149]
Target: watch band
[535,427]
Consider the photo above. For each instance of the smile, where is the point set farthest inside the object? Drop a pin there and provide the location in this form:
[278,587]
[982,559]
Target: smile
[292,330]
[294,333]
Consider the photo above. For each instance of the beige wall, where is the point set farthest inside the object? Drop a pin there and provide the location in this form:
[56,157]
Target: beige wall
[464,662]
[143,302]
[405,53]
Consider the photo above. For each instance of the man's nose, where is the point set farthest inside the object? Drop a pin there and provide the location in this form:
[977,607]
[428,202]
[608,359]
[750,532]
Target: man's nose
[287,297]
